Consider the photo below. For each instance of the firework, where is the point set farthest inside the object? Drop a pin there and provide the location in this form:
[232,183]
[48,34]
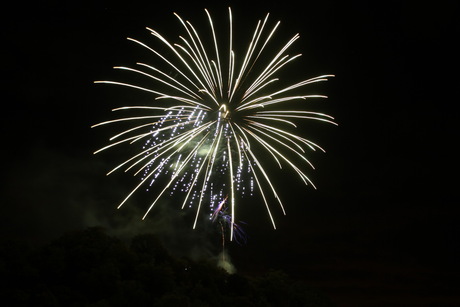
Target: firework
[221,216]
[214,114]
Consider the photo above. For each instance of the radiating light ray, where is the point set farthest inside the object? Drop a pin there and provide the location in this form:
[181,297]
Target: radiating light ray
[267,178]
[177,140]
[250,51]
[232,190]
[268,37]
[145,107]
[205,60]
[122,141]
[170,145]
[214,149]
[231,54]
[261,82]
[151,150]
[216,48]
[183,165]
[166,61]
[132,129]
[126,119]
[300,154]
[273,118]
[297,112]
[215,114]
[262,102]
[264,145]
[289,139]
[190,69]
[203,188]
[273,150]
[186,92]
[201,68]
[200,57]
[130,85]
[309,143]
[183,87]
[237,142]
[209,165]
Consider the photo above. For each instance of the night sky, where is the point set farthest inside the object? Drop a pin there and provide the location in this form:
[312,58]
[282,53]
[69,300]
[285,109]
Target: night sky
[381,229]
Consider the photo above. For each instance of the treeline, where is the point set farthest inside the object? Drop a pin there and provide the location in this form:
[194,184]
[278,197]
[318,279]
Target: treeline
[91,268]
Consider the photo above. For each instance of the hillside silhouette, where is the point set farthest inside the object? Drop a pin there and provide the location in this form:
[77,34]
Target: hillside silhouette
[91,268]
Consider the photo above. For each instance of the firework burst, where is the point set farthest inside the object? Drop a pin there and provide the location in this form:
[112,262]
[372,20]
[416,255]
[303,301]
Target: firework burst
[211,109]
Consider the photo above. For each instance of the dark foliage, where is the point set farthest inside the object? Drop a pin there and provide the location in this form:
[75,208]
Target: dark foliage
[90,268]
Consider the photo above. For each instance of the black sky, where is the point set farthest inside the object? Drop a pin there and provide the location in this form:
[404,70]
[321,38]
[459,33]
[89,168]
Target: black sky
[382,228]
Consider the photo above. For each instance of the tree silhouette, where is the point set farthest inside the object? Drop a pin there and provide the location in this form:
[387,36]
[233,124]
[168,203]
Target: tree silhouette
[91,268]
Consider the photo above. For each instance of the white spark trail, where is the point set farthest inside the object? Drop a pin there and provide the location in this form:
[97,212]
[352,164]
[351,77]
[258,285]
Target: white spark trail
[217,121]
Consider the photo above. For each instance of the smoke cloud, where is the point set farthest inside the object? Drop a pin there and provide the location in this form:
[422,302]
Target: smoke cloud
[50,193]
